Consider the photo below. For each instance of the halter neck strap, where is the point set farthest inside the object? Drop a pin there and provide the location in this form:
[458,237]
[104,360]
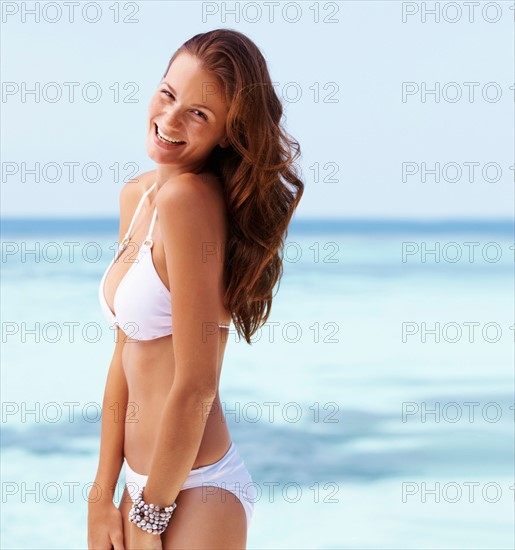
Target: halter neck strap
[149,234]
[138,209]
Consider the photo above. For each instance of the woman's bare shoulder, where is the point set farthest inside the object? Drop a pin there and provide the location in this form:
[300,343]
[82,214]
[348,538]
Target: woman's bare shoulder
[136,186]
[130,194]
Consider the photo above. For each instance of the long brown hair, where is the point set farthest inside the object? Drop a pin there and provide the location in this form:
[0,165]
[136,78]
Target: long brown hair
[261,185]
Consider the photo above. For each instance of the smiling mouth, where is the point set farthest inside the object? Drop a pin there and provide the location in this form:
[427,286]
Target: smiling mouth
[167,139]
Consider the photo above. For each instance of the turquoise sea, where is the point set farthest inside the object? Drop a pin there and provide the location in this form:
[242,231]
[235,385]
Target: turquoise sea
[375,410]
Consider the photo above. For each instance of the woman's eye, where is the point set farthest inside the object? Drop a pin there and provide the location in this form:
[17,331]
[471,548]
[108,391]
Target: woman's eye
[200,113]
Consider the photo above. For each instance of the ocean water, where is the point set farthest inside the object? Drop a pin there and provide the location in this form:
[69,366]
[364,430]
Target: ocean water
[375,409]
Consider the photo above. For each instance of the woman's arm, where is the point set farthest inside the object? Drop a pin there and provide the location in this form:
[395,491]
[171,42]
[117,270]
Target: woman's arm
[105,524]
[112,437]
[192,238]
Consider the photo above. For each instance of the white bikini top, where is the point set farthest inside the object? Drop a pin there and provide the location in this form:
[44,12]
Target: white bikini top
[142,303]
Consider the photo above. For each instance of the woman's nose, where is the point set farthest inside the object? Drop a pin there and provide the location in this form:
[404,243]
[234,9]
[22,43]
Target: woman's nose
[173,116]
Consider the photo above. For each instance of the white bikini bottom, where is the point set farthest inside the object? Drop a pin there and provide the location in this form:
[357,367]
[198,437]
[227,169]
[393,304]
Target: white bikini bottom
[228,473]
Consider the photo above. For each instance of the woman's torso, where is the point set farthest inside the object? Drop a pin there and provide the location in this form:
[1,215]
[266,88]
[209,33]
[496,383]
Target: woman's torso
[149,364]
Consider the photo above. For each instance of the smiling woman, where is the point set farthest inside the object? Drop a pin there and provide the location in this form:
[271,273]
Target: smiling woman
[187,114]
[207,227]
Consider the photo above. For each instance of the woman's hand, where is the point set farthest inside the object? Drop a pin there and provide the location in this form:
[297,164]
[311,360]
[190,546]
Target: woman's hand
[105,527]
[143,540]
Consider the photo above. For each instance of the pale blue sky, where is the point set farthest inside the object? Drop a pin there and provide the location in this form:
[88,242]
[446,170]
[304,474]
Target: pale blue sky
[368,133]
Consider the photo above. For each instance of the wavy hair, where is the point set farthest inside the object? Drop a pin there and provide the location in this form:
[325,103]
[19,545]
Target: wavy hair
[261,185]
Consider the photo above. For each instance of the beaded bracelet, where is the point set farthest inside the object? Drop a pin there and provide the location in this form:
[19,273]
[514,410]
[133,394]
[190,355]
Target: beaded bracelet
[150,517]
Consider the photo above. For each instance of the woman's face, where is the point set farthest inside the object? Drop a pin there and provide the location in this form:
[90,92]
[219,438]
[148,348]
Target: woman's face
[187,106]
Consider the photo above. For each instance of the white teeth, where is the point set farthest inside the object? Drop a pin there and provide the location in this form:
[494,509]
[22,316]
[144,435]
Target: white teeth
[166,138]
